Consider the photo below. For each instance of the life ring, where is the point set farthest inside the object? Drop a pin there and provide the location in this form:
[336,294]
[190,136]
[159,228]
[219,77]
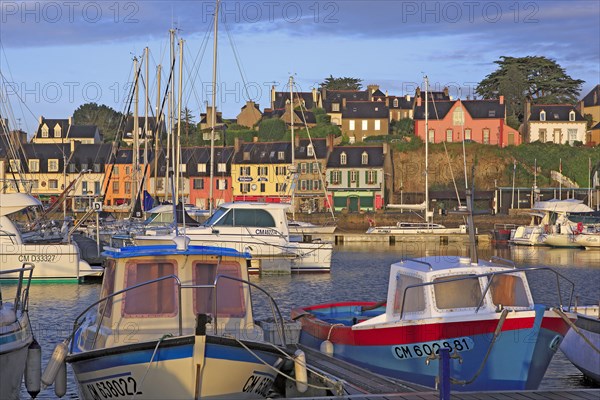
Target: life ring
[579,227]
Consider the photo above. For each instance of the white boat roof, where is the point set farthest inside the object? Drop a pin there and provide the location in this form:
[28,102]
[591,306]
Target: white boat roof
[13,202]
[427,265]
[568,205]
[246,205]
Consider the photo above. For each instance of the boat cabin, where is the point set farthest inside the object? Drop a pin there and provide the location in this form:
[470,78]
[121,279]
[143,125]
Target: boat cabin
[257,218]
[447,287]
[165,290]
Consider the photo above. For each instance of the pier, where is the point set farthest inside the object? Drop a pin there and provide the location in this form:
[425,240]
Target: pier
[355,237]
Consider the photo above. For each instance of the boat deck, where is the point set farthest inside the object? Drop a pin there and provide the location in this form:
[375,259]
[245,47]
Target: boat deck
[362,384]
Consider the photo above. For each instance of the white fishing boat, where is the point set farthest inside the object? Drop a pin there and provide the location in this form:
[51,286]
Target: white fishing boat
[54,261]
[18,349]
[310,229]
[581,345]
[416,228]
[174,322]
[259,228]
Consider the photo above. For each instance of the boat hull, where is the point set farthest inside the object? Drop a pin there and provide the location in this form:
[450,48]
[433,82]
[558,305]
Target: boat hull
[517,360]
[179,368]
[579,352]
[561,240]
[15,339]
[589,241]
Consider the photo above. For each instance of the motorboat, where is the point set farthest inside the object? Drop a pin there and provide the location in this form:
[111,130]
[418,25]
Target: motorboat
[53,261]
[582,343]
[416,228]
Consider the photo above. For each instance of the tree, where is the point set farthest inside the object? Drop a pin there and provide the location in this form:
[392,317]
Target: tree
[271,129]
[344,83]
[537,77]
[403,127]
[105,118]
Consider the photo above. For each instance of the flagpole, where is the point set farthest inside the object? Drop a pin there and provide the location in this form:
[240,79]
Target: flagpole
[512,203]
[560,179]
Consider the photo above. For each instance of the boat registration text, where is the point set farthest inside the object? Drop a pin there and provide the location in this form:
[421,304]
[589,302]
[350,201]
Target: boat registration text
[416,350]
[113,388]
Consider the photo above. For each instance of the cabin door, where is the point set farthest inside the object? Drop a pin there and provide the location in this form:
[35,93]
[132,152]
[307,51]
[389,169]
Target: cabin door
[353,204]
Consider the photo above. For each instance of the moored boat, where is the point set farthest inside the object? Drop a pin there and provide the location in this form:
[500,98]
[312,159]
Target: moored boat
[18,348]
[173,322]
[582,343]
[590,241]
[482,312]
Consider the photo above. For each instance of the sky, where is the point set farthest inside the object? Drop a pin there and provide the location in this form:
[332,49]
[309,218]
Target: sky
[57,55]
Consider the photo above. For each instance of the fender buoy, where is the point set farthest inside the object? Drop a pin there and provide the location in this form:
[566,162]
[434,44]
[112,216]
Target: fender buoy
[579,227]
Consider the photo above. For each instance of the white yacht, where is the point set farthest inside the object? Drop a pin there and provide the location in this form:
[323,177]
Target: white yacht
[259,228]
[416,228]
[54,261]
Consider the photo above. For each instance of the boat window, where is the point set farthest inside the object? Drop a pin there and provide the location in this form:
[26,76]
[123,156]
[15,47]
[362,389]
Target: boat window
[230,296]
[509,291]
[414,298]
[463,293]
[215,216]
[247,217]
[157,299]
[108,288]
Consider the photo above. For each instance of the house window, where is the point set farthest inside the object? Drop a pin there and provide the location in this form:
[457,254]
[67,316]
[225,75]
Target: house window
[53,165]
[115,170]
[35,184]
[183,168]
[222,184]
[395,102]
[263,171]
[467,134]
[280,155]
[15,165]
[44,131]
[84,187]
[542,135]
[486,136]
[491,113]
[448,135]
[115,187]
[335,107]
[221,167]
[336,177]
[84,166]
[244,171]
[303,168]
[310,150]
[343,158]
[53,184]
[572,116]
[198,183]
[246,156]
[160,184]
[431,136]
[280,170]
[542,115]
[244,187]
[377,125]
[365,125]
[351,125]
[458,116]
[303,185]
[371,177]
[263,187]
[315,168]
[557,136]
[57,131]
[96,167]
[127,187]
[127,170]
[353,176]
[34,165]
[316,184]
[201,168]
[572,133]
[72,168]
[96,187]
[364,158]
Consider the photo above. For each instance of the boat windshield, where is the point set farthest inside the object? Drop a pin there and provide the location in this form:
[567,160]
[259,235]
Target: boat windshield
[219,212]
[242,217]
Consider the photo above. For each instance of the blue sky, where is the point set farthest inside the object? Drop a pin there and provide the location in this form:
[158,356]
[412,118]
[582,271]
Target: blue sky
[57,55]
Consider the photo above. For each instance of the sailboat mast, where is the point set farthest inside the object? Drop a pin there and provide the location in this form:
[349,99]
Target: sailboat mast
[136,144]
[213,121]
[157,120]
[291,83]
[171,108]
[426,149]
[177,142]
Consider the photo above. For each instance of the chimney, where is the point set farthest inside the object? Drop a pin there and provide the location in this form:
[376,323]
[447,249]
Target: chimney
[70,121]
[343,102]
[254,139]
[72,142]
[273,96]
[329,143]
[387,101]
[236,144]
[501,99]
[297,141]
[314,95]
[419,101]
[446,91]
[407,97]
[41,119]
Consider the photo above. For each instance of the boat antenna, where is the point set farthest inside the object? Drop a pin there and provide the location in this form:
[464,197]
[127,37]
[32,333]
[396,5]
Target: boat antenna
[470,223]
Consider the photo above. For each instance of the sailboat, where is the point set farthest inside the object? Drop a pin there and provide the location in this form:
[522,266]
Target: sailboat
[301,227]
[418,228]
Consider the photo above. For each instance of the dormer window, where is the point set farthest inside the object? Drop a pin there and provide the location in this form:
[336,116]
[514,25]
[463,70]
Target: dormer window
[310,151]
[365,158]
[45,131]
[343,158]
[335,107]
[395,102]
[34,165]
[53,165]
[15,165]
[280,155]
[57,131]
[556,116]
[491,113]
[572,116]
[246,155]
[542,115]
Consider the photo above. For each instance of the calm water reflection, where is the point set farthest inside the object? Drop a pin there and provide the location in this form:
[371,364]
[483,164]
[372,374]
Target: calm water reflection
[359,272]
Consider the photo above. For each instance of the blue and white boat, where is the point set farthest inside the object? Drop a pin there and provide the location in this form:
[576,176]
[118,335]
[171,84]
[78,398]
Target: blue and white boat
[173,322]
[16,335]
[482,312]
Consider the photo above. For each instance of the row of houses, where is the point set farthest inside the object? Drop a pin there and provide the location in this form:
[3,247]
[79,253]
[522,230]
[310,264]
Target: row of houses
[347,177]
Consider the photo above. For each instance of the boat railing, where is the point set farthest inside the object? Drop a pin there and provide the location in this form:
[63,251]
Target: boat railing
[21,300]
[490,276]
[12,236]
[278,318]
[510,263]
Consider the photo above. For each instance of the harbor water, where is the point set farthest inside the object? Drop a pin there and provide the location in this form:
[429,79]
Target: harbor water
[358,272]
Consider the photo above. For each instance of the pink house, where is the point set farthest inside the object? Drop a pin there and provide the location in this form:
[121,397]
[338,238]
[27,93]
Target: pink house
[481,121]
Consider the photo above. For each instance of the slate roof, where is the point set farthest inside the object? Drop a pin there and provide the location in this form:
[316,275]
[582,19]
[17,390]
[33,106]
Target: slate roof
[477,109]
[91,154]
[319,146]
[592,98]
[51,123]
[44,152]
[365,109]
[152,124]
[349,95]
[192,156]
[354,157]
[554,112]
[281,99]
[437,110]
[403,103]
[264,153]
[82,131]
